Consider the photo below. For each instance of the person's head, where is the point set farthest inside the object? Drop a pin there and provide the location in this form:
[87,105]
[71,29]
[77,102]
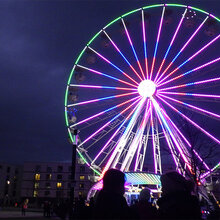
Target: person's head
[114,181]
[174,182]
[144,195]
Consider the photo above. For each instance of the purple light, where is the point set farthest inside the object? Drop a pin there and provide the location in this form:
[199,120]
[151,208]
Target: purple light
[171,43]
[194,55]
[102,87]
[101,113]
[106,60]
[157,42]
[116,47]
[105,125]
[106,75]
[190,71]
[100,99]
[181,50]
[190,84]
[192,122]
[190,94]
[131,44]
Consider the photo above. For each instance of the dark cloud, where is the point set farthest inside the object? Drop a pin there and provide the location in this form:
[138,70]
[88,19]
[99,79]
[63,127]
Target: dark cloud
[39,41]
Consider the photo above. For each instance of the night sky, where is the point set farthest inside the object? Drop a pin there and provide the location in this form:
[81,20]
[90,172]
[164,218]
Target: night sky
[39,42]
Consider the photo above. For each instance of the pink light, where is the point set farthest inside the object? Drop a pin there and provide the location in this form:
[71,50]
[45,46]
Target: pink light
[157,108]
[116,47]
[192,122]
[132,47]
[192,106]
[105,125]
[100,99]
[190,84]
[101,113]
[102,87]
[190,71]
[171,43]
[181,50]
[103,74]
[191,94]
[145,46]
[116,132]
[113,65]
[156,46]
[194,55]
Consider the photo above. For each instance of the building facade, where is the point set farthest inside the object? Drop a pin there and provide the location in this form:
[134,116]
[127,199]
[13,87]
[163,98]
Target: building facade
[49,181]
[10,184]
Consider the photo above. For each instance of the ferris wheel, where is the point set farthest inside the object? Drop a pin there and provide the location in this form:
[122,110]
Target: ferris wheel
[136,83]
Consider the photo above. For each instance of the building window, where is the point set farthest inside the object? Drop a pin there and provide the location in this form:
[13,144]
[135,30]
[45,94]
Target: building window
[35,194]
[58,194]
[81,177]
[59,177]
[37,168]
[49,176]
[37,176]
[82,169]
[8,169]
[60,169]
[36,185]
[49,169]
[47,185]
[47,193]
[80,193]
[81,186]
[59,185]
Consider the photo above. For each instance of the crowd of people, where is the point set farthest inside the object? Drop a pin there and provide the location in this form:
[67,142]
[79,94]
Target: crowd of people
[177,201]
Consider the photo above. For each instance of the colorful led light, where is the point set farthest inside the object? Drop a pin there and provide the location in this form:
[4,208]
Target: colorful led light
[181,50]
[157,42]
[171,43]
[192,122]
[131,44]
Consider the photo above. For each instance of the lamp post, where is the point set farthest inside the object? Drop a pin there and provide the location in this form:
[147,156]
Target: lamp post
[73,168]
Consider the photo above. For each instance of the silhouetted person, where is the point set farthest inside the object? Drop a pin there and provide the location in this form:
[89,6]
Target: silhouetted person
[176,201]
[110,203]
[143,208]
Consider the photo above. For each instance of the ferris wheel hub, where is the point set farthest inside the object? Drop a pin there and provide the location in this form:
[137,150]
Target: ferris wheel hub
[147,88]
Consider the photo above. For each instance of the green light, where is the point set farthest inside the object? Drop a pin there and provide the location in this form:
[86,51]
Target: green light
[197,9]
[152,6]
[93,38]
[112,22]
[130,12]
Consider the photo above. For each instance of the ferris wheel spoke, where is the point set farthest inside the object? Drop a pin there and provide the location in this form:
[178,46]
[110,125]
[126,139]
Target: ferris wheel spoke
[183,154]
[103,112]
[119,51]
[101,87]
[182,49]
[113,160]
[200,110]
[115,133]
[171,43]
[184,138]
[106,75]
[112,64]
[145,44]
[190,71]
[101,99]
[191,94]
[109,122]
[170,145]
[190,84]
[193,56]
[133,49]
[191,121]
[136,142]
[157,43]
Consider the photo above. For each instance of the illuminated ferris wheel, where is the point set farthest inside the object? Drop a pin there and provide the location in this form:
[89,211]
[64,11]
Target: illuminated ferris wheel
[137,80]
